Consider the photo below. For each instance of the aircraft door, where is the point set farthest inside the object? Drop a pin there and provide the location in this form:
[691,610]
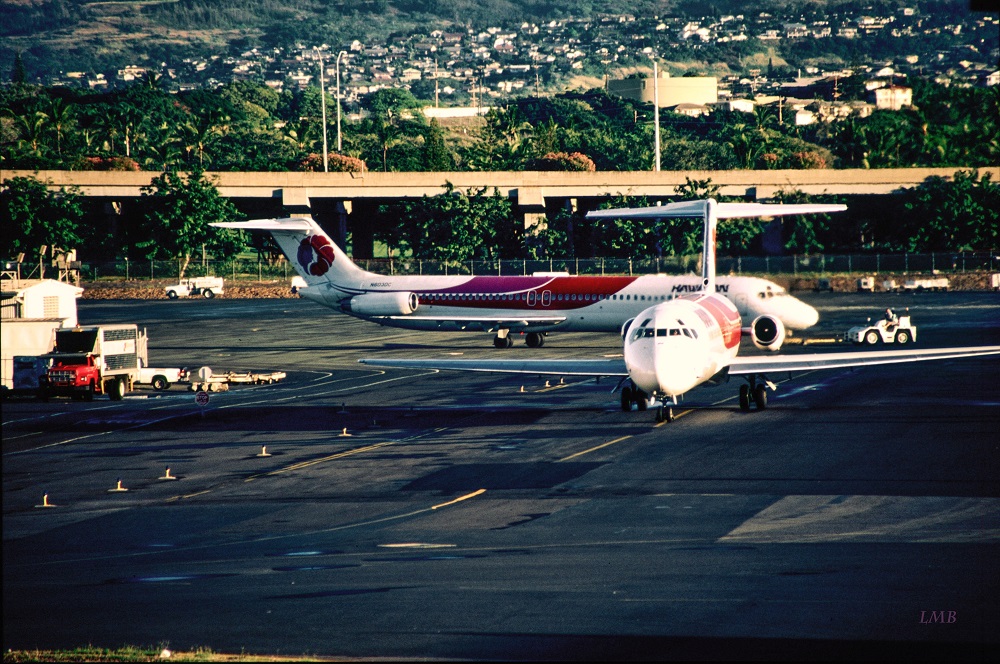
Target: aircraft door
[531,298]
[546,298]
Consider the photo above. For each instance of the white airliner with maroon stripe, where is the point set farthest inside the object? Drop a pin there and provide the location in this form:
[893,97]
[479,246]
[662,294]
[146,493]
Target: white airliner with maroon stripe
[677,345]
[533,305]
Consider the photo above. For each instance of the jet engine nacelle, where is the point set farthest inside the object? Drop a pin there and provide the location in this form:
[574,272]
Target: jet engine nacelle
[626,326]
[767,332]
[399,303]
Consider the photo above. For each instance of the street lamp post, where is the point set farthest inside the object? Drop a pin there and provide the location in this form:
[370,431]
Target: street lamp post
[656,116]
[322,101]
[339,144]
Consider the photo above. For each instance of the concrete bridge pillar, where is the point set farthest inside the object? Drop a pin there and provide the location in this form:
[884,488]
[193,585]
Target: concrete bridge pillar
[295,202]
[529,204]
[341,211]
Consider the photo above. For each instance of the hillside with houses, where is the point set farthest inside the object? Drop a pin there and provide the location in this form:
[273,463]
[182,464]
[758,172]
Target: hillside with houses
[755,51]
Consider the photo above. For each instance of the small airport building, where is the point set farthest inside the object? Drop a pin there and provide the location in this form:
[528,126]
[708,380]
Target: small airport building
[31,311]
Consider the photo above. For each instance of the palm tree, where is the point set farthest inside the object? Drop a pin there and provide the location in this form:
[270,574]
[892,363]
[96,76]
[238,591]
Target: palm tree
[60,116]
[32,129]
[203,130]
[744,144]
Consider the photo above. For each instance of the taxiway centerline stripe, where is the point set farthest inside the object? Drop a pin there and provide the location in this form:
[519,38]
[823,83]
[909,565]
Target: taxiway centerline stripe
[313,462]
[594,449]
[460,499]
[189,495]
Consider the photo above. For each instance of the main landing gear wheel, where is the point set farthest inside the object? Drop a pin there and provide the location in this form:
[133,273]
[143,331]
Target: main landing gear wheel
[744,397]
[502,342]
[534,339]
[760,396]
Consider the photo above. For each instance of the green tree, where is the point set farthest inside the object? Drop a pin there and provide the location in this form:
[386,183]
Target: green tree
[802,234]
[60,118]
[460,225]
[36,216]
[177,212]
[436,154]
[18,74]
[395,102]
[961,214]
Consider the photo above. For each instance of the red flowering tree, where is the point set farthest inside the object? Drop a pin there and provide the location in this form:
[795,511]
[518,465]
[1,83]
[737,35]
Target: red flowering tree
[336,163]
[564,161]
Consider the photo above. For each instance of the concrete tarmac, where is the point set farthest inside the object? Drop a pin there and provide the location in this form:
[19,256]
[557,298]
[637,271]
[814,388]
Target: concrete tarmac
[414,514]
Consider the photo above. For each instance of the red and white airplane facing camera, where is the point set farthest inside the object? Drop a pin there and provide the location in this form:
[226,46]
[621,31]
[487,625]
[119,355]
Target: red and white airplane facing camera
[532,305]
[676,345]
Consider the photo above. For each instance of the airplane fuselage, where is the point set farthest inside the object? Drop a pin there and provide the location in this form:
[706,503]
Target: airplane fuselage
[565,303]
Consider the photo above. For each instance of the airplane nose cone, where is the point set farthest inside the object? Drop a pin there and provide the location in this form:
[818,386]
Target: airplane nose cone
[676,370]
[805,316]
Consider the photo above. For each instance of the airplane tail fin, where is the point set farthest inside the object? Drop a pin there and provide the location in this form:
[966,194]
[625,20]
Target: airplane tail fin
[315,256]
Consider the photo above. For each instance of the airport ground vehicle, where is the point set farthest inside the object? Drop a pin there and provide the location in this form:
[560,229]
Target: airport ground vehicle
[884,331]
[866,284]
[205,379]
[94,359]
[207,287]
[161,378]
[918,285]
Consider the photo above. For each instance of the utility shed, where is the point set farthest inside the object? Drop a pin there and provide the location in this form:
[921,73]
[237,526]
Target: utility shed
[31,310]
[38,298]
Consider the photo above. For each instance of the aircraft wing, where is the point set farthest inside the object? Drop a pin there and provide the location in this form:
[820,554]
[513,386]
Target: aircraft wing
[747,365]
[812,361]
[552,367]
[485,323]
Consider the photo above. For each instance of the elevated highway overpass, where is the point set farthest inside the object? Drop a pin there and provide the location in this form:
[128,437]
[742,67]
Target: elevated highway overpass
[332,197]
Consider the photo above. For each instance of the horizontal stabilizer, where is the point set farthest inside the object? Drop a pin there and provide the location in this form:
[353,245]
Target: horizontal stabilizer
[289,224]
[722,210]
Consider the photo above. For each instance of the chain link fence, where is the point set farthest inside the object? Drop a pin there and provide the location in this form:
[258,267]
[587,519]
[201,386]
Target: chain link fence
[815,265]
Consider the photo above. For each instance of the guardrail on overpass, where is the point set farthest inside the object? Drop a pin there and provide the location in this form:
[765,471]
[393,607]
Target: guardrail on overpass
[531,189]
